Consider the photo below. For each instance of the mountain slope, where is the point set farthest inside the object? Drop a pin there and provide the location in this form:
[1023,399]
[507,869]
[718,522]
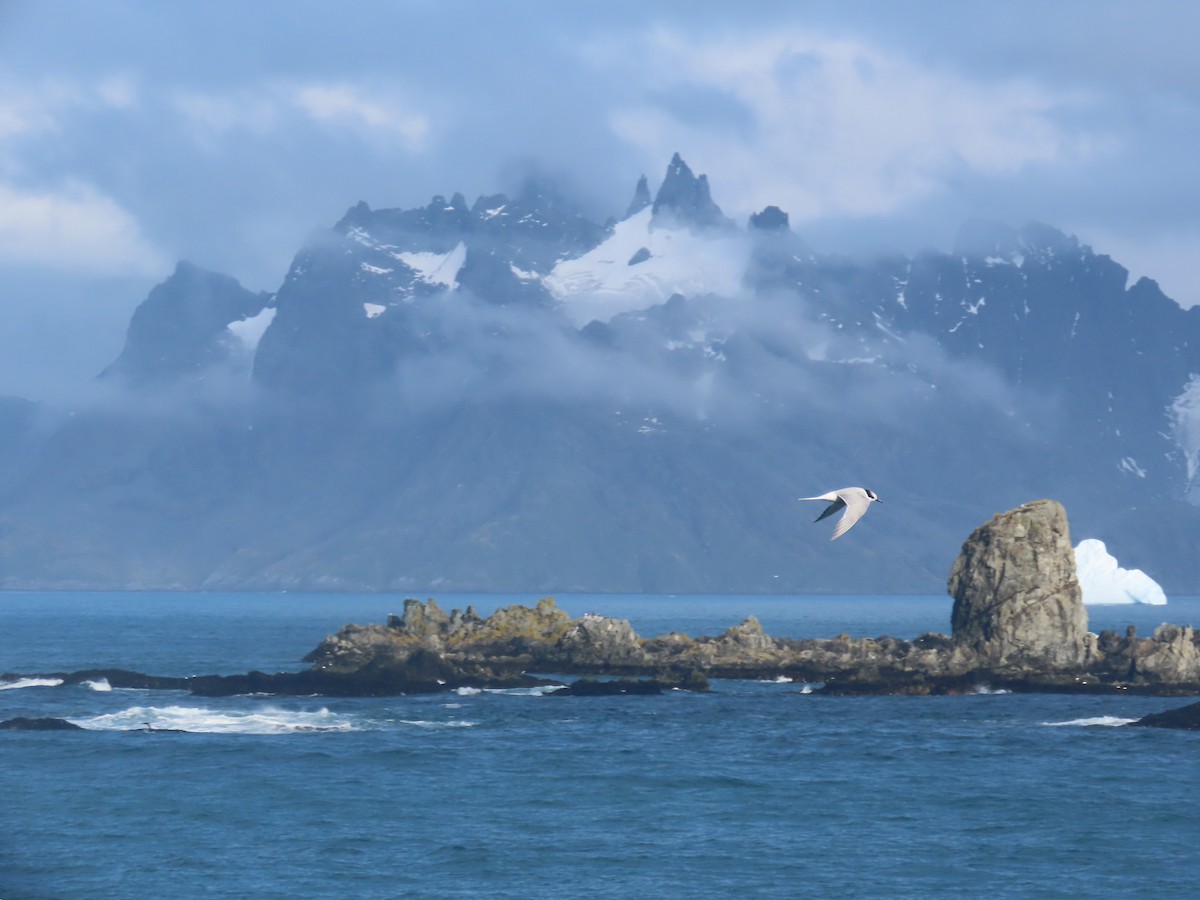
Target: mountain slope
[504,396]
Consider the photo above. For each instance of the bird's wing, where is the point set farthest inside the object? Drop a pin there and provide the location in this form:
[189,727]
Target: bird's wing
[831,509]
[856,505]
[832,495]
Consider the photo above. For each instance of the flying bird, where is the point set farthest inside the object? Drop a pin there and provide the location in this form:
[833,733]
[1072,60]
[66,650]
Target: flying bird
[854,500]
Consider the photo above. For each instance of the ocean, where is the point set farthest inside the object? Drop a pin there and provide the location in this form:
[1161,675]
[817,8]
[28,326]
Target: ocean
[756,789]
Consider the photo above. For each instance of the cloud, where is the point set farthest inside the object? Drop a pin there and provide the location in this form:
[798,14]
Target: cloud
[346,105]
[73,228]
[28,110]
[213,116]
[834,127]
[383,116]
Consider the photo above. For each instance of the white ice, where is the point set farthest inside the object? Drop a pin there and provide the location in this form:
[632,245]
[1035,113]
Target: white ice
[250,331]
[601,283]
[1104,582]
[1184,413]
[436,268]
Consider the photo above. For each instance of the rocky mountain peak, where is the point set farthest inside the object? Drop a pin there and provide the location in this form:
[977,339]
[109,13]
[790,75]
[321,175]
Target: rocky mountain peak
[182,326]
[641,198]
[772,218]
[685,198]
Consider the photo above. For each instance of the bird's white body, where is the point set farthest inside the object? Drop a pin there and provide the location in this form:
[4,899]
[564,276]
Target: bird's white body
[854,500]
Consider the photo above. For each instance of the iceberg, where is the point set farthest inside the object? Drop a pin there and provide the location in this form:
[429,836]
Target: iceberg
[1103,581]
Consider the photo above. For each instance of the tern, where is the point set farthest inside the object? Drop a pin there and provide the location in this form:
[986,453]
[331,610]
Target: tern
[854,500]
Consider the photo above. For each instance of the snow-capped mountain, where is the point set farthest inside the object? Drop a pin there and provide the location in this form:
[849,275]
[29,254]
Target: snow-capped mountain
[505,395]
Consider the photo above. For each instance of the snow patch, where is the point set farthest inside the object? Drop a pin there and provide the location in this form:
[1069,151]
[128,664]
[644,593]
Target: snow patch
[1104,582]
[250,331]
[601,283]
[1184,414]
[1129,464]
[436,268]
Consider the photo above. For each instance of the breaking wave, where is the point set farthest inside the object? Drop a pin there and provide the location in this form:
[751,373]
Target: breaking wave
[29,682]
[268,720]
[536,691]
[425,723]
[1107,721]
[100,684]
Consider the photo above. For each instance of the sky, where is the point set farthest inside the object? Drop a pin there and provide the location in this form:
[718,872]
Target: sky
[136,133]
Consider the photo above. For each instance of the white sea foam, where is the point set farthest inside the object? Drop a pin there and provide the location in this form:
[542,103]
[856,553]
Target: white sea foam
[1108,721]
[100,684]
[536,691]
[988,691]
[29,682]
[265,720]
[425,723]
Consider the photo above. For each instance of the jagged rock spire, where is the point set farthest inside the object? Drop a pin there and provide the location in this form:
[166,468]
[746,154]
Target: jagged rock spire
[772,218]
[686,198]
[641,198]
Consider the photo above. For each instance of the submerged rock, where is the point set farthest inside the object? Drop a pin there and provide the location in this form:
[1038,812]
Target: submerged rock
[21,723]
[1186,718]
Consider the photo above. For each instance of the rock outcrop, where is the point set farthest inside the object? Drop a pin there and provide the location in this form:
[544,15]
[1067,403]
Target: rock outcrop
[23,723]
[1186,718]
[1018,622]
[1017,602]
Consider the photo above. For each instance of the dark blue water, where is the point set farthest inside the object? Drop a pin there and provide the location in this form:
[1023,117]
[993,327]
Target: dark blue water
[752,790]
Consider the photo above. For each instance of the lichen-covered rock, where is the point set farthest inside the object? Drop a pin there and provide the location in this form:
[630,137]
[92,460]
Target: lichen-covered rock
[1170,656]
[543,624]
[421,619]
[356,646]
[600,642]
[1017,600]
[1018,621]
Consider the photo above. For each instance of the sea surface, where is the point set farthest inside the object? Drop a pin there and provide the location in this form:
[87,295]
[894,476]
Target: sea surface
[756,789]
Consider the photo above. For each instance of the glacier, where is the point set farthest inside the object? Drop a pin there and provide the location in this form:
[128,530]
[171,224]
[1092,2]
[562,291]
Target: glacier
[250,330]
[1104,581]
[642,264]
[1185,427]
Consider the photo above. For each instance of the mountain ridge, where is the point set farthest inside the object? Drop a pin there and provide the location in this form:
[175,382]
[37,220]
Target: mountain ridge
[506,396]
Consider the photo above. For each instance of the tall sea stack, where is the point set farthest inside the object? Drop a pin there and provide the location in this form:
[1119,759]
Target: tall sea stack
[1017,600]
